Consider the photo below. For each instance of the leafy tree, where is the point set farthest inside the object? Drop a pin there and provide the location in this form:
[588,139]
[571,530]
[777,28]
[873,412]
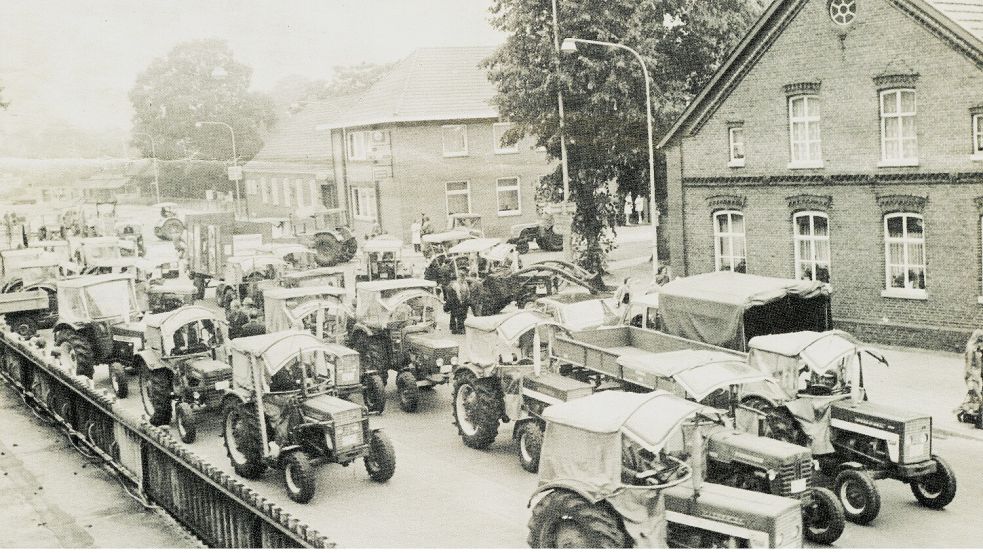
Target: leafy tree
[349,79]
[682,42]
[198,81]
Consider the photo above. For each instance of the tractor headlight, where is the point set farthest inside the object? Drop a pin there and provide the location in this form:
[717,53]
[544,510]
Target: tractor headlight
[454,360]
[440,361]
[772,474]
[196,395]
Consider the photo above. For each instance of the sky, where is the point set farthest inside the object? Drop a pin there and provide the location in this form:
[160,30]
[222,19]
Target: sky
[76,60]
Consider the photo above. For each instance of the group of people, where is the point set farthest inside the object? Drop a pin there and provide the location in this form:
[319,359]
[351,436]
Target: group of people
[418,230]
[637,207]
[244,318]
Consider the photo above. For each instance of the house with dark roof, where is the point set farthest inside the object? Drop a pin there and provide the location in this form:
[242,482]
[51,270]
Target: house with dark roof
[426,139]
[842,140]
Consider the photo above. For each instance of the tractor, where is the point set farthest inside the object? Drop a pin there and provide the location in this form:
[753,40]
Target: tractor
[540,232]
[396,329]
[822,403]
[460,227]
[321,230]
[132,233]
[321,310]
[169,225]
[475,258]
[36,272]
[382,259]
[183,367]
[282,410]
[97,323]
[246,276]
[612,475]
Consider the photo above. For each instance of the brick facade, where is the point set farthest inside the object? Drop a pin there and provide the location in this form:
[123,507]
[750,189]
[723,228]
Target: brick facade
[798,49]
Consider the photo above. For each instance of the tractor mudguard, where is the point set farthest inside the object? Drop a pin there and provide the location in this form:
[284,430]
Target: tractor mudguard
[467,369]
[850,465]
[359,327]
[574,486]
[67,325]
[150,359]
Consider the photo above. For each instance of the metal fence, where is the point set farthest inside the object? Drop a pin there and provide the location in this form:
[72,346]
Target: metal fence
[153,467]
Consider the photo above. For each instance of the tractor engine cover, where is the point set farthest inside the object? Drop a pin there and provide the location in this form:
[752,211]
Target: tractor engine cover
[207,376]
[907,435]
[426,348]
[790,464]
[326,407]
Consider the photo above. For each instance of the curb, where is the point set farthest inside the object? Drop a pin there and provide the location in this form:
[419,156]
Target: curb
[963,434]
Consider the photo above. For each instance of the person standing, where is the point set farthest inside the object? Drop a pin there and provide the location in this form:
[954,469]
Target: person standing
[457,299]
[640,202]
[973,376]
[628,208]
[415,233]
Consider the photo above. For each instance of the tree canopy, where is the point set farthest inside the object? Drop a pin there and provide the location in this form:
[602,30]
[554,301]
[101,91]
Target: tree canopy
[198,81]
[682,42]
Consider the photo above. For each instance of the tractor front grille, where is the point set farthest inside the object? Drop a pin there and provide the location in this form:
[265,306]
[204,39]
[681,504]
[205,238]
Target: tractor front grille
[348,435]
[793,472]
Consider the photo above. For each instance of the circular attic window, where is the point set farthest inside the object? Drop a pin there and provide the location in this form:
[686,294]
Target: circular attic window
[842,12]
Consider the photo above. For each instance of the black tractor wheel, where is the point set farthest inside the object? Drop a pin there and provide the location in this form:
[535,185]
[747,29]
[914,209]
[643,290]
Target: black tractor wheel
[41,388]
[76,355]
[299,476]
[938,489]
[186,422]
[27,327]
[477,410]
[823,519]
[409,393]
[329,251]
[380,463]
[858,494]
[530,438]
[374,393]
[522,246]
[118,380]
[155,393]
[242,441]
[565,520]
[171,229]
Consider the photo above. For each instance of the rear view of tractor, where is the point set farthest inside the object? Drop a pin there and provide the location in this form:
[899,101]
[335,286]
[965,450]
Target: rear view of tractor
[29,275]
[382,257]
[322,231]
[169,225]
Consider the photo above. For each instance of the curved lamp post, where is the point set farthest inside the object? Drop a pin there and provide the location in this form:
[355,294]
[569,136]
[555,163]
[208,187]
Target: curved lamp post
[235,158]
[569,46]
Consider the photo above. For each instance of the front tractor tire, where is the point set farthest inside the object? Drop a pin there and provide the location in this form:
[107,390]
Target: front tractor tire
[823,519]
[374,393]
[565,520]
[118,380]
[477,410]
[299,476]
[858,493]
[76,354]
[530,438]
[380,463]
[155,392]
[938,489]
[408,392]
[242,441]
[186,422]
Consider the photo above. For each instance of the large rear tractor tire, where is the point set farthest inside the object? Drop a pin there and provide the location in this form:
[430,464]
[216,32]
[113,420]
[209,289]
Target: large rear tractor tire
[530,438]
[374,393]
[858,494]
[564,520]
[171,229]
[823,519]
[938,489]
[299,476]
[477,411]
[242,441]
[155,392]
[380,463]
[409,393]
[329,251]
[26,326]
[76,354]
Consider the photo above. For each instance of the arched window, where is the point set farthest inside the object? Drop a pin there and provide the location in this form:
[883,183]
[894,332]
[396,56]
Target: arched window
[812,256]
[904,241]
[729,249]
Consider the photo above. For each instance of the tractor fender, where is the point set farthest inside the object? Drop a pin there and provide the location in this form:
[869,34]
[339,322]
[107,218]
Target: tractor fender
[12,285]
[363,329]
[589,493]
[466,369]
[67,325]
[519,424]
[850,465]
[150,359]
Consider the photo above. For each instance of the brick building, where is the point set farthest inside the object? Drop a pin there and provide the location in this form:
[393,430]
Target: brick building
[426,139]
[842,140]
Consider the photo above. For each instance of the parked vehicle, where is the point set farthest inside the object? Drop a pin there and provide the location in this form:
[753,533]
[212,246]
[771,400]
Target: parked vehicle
[246,276]
[822,403]
[90,251]
[396,329]
[169,225]
[321,276]
[541,232]
[460,227]
[579,310]
[323,230]
[282,411]
[132,233]
[183,363]
[382,257]
[321,310]
[33,273]
[612,475]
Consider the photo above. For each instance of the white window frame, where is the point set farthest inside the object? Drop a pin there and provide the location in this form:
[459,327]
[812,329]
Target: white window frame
[812,238]
[443,139]
[356,145]
[364,204]
[977,129]
[275,190]
[264,192]
[808,121]
[287,191]
[315,192]
[890,161]
[732,142]
[251,187]
[499,188]
[731,236]
[907,291]
[299,191]
[449,193]
[497,139]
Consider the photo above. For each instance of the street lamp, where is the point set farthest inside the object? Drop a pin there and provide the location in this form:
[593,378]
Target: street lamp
[569,46]
[236,172]
[153,152]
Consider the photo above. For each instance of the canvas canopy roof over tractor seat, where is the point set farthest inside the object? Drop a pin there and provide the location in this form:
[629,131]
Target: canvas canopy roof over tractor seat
[487,338]
[699,372]
[727,309]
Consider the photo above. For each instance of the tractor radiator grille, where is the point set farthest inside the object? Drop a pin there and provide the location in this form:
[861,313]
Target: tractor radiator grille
[792,472]
[207,381]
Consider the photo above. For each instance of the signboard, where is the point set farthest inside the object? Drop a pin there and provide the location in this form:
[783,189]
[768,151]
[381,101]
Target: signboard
[235,173]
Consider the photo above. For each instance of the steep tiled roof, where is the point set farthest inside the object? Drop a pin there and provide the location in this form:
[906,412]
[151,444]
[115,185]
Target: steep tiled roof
[968,14]
[296,144]
[431,84]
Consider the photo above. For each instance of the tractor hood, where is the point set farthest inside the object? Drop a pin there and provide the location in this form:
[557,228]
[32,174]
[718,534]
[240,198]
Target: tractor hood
[327,407]
[431,341]
[758,451]
[208,367]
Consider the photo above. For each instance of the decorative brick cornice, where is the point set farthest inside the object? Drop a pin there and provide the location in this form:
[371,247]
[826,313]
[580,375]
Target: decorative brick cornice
[848,179]
[976,110]
[902,202]
[809,202]
[895,80]
[803,88]
[726,201]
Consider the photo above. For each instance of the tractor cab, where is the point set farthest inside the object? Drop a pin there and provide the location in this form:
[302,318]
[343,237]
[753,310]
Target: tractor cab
[320,276]
[578,310]
[466,222]
[506,339]
[321,310]
[295,256]
[469,256]
[643,312]
[395,304]
[624,454]
[191,330]
[131,233]
[104,298]
[28,266]
[382,255]
[247,275]
[91,250]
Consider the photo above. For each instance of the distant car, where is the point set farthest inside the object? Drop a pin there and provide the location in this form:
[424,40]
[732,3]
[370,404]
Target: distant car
[579,310]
